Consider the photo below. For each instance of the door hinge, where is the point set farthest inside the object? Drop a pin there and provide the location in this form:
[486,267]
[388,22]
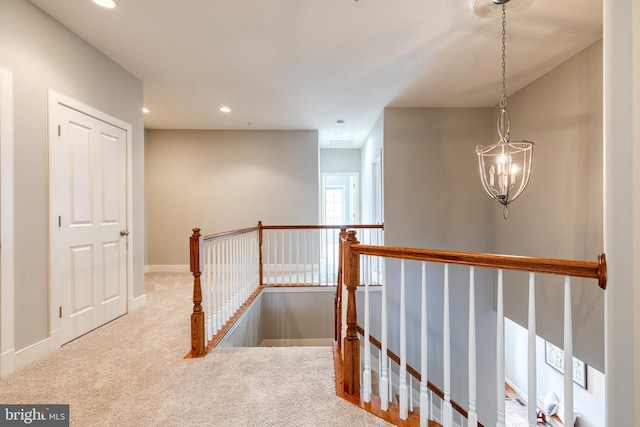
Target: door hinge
[60,312]
[59,221]
[59,131]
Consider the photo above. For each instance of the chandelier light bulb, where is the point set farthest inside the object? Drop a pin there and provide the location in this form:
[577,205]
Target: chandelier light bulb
[505,167]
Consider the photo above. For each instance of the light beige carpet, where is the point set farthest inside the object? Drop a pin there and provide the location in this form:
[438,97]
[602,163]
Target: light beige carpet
[132,372]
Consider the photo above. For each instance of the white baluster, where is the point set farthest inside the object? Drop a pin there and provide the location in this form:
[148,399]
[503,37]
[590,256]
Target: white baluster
[223,281]
[282,257]
[242,267]
[430,405]
[303,250]
[404,409]
[314,247]
[390,388]
[385,371]
[379,372]
[411,393]
[531,387]
[276,256]
[290,257]
[227,281]
[255,262]
[447,416]
[246,259]
[298,256]
[326,255]
[334,251]
[210,314]
[248,265]
[472,415]
[230,279]
[424,391]
[500,351]
[366,374]
[568,352]
[236,276]
[217,288]
[204,284]
[266,248]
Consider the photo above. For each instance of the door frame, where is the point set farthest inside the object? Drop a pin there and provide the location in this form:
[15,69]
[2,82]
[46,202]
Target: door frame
[355,199]
[7,313]
[55,292]
[377,189]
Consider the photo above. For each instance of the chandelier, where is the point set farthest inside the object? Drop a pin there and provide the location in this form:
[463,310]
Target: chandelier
[505,167]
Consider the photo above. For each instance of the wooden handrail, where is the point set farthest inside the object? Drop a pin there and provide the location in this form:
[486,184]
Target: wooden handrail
[591,270]
[198,340]
[352,251]
[231,233]
[321,227]
[416,374]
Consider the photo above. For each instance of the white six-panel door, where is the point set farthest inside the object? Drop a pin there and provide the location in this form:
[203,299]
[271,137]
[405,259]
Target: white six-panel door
[88,210]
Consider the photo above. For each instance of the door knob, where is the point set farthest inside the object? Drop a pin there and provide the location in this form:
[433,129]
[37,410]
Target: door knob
[124,232]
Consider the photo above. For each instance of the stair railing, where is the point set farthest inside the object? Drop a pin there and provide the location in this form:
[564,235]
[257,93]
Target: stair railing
[353,253]
[226,272]
[231,268]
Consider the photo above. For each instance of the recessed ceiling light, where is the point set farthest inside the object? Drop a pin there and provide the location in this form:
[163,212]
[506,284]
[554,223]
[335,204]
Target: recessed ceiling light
[145,110]
[225,109]
[109,4]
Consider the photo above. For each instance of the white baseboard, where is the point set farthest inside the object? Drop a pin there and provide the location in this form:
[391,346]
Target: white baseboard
[167,268]
[7,363]
[137,303]
[34,352]
[522,394]
[309,342]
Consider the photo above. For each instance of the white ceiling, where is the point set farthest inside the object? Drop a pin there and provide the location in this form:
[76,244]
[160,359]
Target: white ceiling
[304,64]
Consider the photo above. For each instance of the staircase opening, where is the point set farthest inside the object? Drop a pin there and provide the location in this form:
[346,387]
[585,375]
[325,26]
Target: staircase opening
[285,317]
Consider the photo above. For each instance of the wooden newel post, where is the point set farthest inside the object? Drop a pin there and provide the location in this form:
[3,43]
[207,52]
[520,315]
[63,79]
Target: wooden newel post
[338,299]
[197,317]
[351,344]
[260,251]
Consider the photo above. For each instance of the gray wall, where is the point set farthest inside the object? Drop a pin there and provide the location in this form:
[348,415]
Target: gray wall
[560,213]
[339,160]
[224,180]
[298,314]
[285,314]
[433,199]
[44,55]
[372,147]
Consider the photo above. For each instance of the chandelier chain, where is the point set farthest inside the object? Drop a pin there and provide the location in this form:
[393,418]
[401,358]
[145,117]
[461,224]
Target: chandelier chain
[503,99]
[505,167]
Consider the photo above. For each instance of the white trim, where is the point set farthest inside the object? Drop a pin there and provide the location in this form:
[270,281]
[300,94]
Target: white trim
[519,392]
[354,195]
[137,303]
[7,314]
[55,99]
[35,352]
[8,362]
[167,268]
[303,342]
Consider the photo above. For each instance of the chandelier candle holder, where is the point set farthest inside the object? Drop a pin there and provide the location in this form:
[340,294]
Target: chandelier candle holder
[505,167]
